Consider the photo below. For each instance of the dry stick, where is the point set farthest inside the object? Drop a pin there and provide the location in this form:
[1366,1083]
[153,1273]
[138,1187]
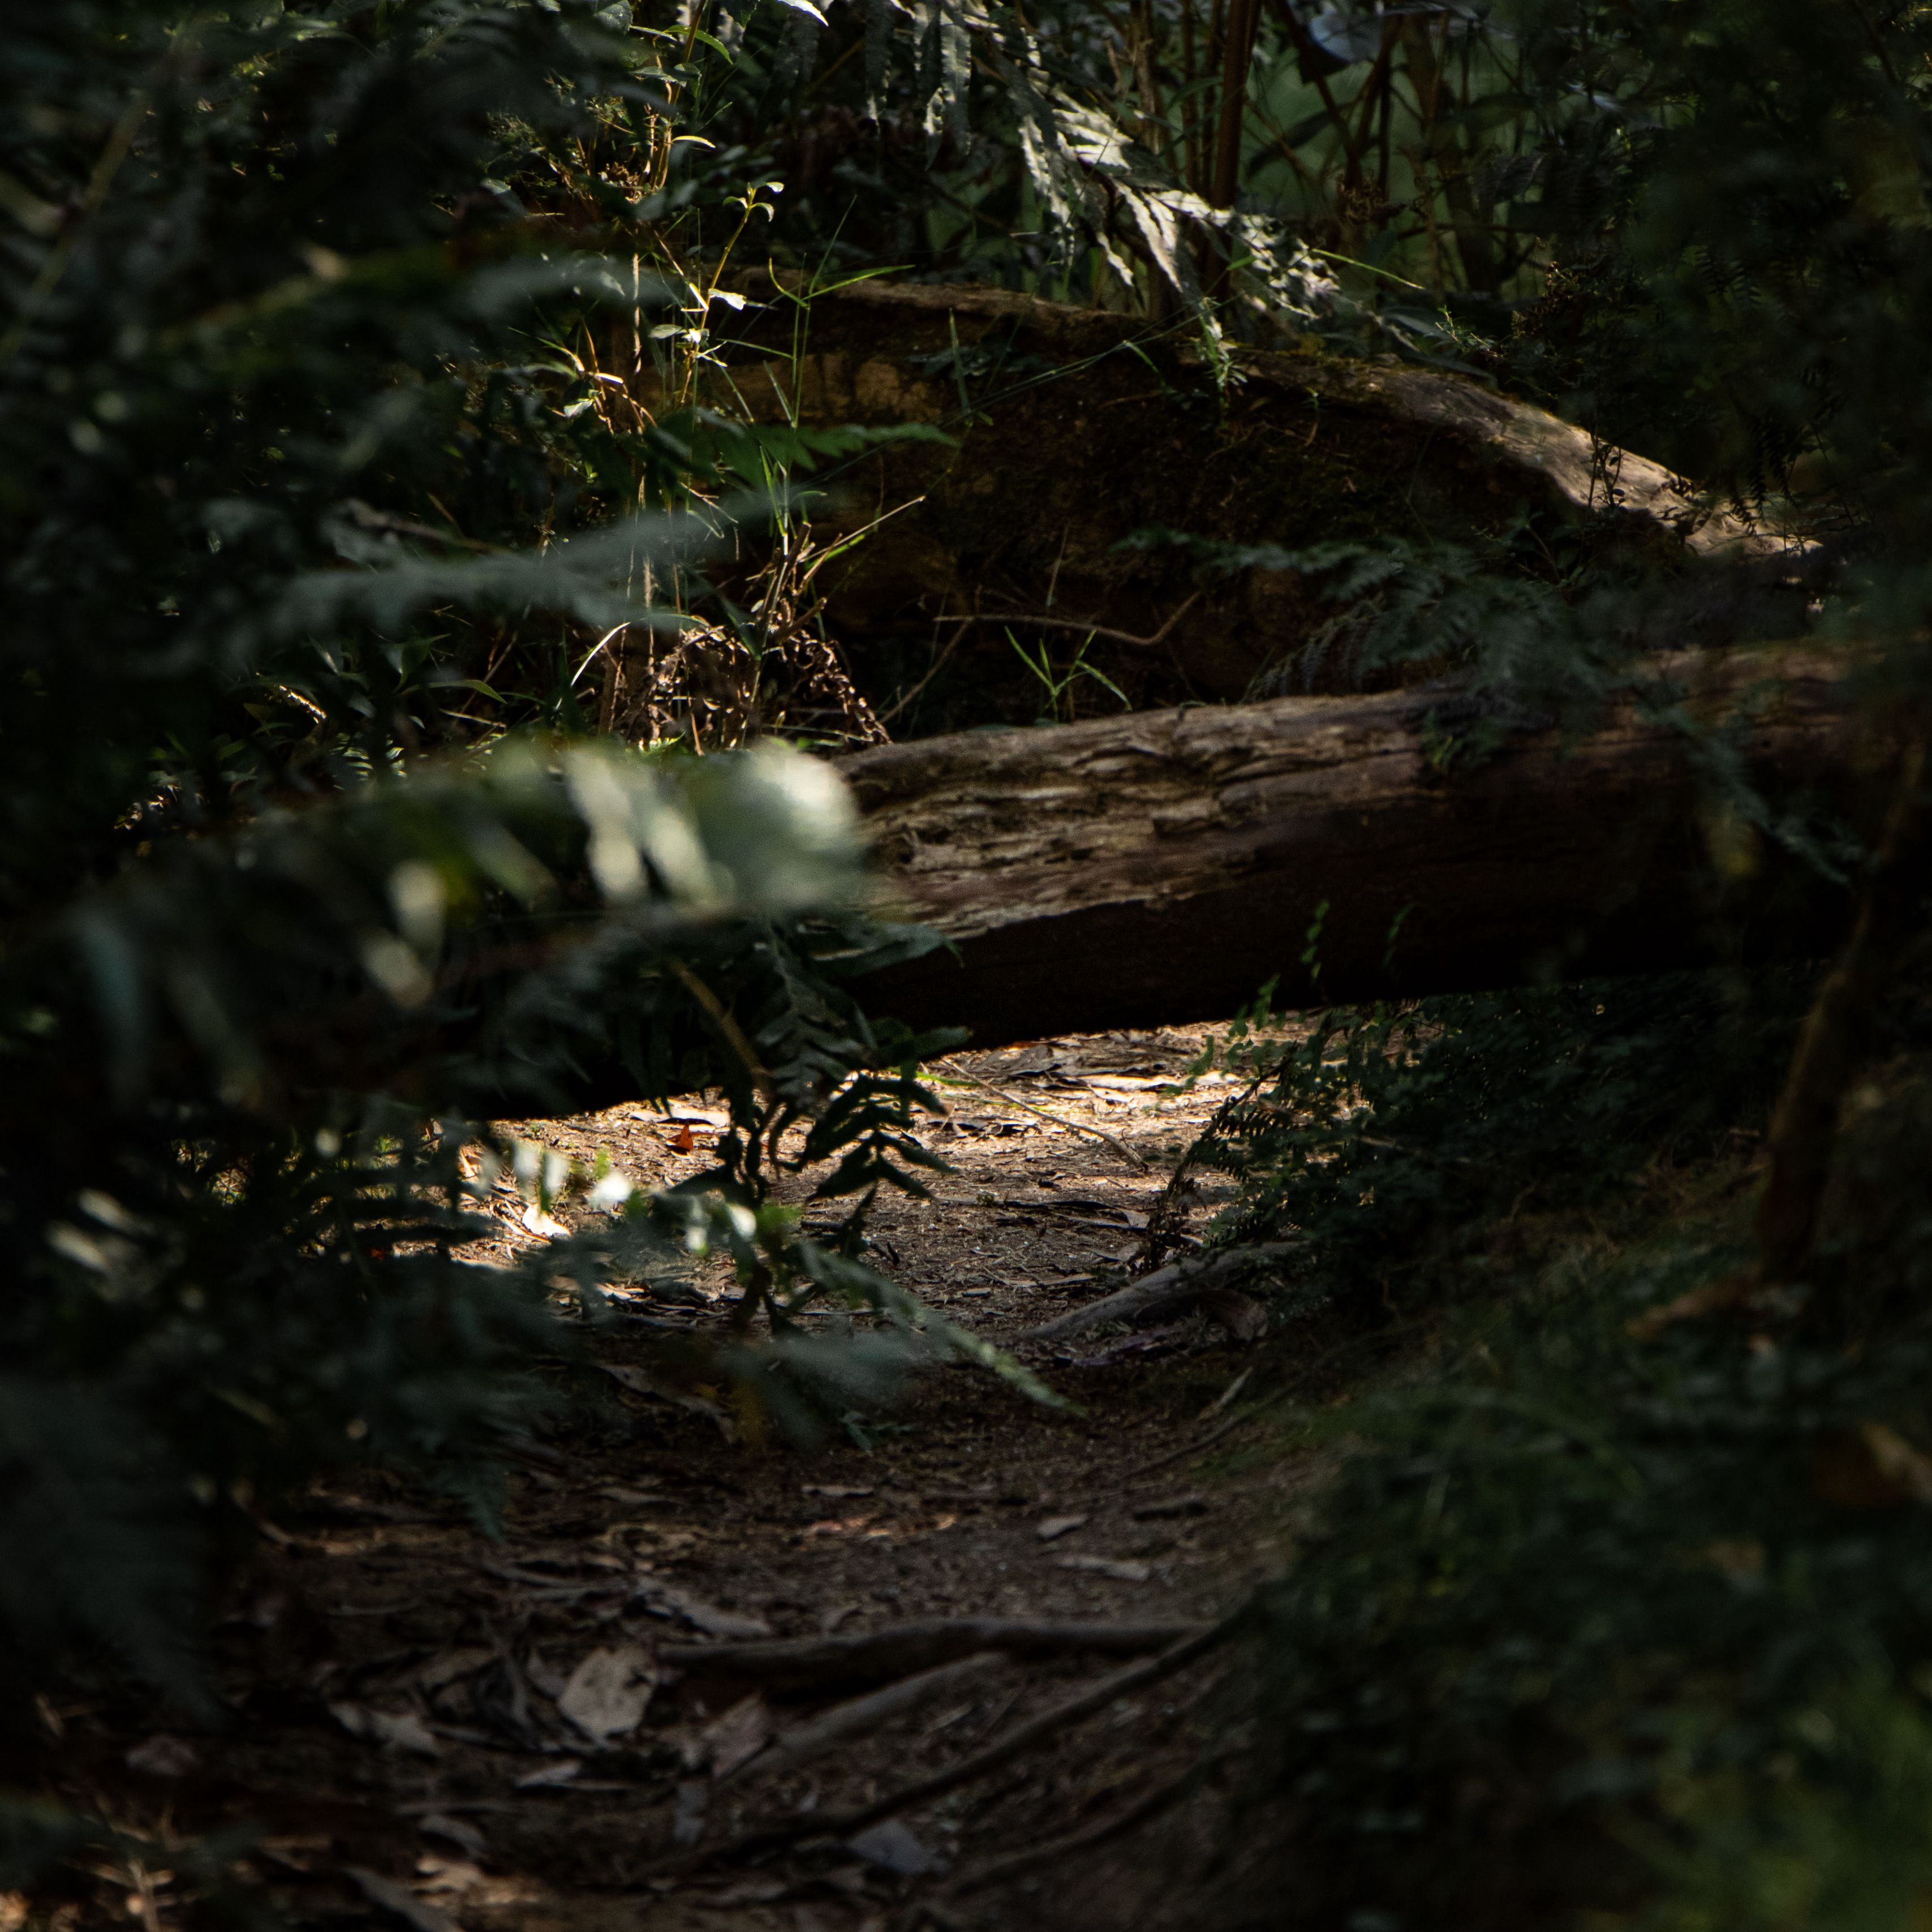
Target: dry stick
[1832,1044]
[1149,1804]
[1034,1730]
[800,1663]
[933,670]
[1179,1281]
[1162,1232]
[733,1033]
[1036,622]
[1023,1736]
[120,140]
[1114,1140]
[1203,1443]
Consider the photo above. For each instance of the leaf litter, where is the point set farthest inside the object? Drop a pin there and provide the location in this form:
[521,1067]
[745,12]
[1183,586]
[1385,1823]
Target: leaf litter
[524,1683]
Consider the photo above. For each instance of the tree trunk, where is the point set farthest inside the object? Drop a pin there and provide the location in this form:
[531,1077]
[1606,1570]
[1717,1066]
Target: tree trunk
[1161,866]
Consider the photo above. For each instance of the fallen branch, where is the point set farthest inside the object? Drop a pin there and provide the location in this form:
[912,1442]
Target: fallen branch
[1037,1730]
[1022,1737]
[1242,1418]
[1034,621]
[808,1742]
[1164,1290]
[873,1657]
[1150,1804]
[1114,1140]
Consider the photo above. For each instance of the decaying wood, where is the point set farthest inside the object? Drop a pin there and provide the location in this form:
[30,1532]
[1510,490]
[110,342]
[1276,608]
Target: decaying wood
[874,1657]
[1159,867]
[805,1743]
[1162,1292]
[1071,429]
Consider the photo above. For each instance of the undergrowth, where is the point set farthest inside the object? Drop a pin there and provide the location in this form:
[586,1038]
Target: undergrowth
[1614,1611]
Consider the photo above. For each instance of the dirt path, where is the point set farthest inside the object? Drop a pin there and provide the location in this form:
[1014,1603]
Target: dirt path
[402,1682]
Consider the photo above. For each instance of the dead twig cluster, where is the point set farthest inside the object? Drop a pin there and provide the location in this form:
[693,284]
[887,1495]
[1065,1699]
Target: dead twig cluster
[768,666]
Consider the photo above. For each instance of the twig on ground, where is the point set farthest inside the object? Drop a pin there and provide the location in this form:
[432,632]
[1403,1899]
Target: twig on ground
[808,1742]
[872,1657]
[1203,1443]
[1036,1729]
[1150,1803]
[1228,1394]
[1178,1283]
[1114,1140]
[1023,1736]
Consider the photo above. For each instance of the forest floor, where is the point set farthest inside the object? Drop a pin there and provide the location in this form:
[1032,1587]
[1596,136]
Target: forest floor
[711,1610]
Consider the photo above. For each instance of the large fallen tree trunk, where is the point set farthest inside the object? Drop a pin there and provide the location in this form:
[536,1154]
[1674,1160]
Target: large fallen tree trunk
[1161,866]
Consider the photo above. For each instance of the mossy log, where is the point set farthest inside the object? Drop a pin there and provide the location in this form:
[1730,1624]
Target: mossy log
[1072,429]
[1160,867]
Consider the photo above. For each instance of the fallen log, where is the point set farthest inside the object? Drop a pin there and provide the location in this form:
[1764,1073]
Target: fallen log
[1160,867]
[1073,429]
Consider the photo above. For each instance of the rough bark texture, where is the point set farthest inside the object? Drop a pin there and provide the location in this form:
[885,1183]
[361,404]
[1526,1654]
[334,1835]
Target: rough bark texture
[1160,867]
[1073,428]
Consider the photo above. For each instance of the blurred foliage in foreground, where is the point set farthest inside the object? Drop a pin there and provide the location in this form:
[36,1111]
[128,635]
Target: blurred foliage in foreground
[1616,1603]
[294,896]
[1616,1613]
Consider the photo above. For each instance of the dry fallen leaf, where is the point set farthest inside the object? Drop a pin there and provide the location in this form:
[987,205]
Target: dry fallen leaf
[1059,1525]
[630,1499]
[457,1831]
[456,1875]
[564,1772]
[163,1756]
[1167,1506]
[404,1903]
[752,1891]
[735,1738]
[394,1730]
[451,1664]
[544,1675]
[607,1694]
[687,1824]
